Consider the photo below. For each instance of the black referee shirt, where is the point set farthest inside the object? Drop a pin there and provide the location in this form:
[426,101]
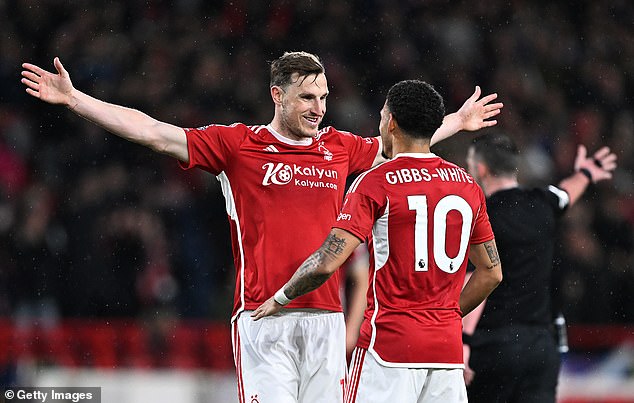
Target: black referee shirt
[524,224]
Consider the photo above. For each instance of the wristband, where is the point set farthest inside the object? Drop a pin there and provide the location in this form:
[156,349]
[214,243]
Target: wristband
[281,298]
[586,173]
[466,339]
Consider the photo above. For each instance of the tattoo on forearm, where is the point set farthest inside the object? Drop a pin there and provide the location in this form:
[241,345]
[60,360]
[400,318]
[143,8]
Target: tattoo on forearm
[308,277]
[333,245]
[493,254]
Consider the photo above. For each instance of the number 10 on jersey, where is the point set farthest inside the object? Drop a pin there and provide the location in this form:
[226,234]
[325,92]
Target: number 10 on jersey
[438,214]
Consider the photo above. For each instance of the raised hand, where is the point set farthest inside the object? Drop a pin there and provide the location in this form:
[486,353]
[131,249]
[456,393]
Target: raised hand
[49,87]
[474,113]
[600,165]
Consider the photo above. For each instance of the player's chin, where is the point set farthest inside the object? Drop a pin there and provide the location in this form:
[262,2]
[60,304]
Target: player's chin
[309,132]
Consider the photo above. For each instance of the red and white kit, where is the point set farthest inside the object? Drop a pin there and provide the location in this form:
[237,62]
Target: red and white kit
[420,214]
[282,197]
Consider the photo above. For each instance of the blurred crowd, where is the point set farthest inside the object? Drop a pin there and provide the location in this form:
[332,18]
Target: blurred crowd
[93,226]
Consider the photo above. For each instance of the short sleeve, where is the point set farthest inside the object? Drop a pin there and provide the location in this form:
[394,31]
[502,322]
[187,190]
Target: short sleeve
[211,147]
[557,198]
[358,214]
[361,150]
[482,231]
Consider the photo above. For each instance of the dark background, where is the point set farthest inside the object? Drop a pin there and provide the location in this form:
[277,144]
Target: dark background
[93,226]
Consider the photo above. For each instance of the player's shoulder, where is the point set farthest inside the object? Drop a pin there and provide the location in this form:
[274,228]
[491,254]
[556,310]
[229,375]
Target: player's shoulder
[372,179]
[230,131]
[233,126]
[554,196]
[450,164]
[331,133]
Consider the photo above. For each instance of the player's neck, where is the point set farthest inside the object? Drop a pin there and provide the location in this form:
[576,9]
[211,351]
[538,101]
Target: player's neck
[283,131]
[410,147]
[492,184]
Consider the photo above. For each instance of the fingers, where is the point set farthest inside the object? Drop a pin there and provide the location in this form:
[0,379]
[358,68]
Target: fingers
[608,163]
[30,75]
[31,80]
[476,93]
[495,106]
[58,66]
[257,314]
[33,93]
[35,69]
[605,159]
[492,113]
[485,100]
[581,155]
[602,152]
[488,115]
[31,84]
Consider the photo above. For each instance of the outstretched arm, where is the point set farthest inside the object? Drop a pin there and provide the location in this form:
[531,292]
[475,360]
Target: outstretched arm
[130,124]
[593,169]
[473,115]
[315,270]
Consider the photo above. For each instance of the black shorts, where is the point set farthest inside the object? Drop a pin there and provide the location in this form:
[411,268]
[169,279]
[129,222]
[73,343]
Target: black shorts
[518,364]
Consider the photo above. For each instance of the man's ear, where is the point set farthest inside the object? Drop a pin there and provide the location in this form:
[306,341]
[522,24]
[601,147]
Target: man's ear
[277,93]
[392,124]
[482,169]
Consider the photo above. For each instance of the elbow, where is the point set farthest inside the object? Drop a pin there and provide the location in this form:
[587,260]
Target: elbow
[150,136]
[159,147]
[497,277]
[328,270]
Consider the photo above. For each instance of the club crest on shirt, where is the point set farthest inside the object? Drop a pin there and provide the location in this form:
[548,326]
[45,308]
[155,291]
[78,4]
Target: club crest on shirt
[327,154]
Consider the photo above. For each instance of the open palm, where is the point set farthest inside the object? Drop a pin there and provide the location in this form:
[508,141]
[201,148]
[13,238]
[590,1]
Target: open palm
[476,113]
[49,87]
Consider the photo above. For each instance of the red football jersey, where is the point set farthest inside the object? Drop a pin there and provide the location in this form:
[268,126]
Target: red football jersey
[282,197]
[419,214]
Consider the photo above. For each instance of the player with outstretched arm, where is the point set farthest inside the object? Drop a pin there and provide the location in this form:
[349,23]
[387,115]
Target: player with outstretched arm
[423,218]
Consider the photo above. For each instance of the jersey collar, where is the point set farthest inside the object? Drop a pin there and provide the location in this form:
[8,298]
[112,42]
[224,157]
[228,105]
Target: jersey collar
[303,142]
[416,155]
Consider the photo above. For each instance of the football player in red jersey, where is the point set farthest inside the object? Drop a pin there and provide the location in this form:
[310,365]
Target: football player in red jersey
[423,219]
[283,183]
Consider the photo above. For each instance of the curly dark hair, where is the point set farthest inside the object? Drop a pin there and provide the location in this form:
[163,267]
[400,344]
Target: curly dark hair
[498,152]
[303,63]
[417,107]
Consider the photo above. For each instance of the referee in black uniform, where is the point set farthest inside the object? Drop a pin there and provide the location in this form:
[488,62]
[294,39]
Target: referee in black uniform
[510,348]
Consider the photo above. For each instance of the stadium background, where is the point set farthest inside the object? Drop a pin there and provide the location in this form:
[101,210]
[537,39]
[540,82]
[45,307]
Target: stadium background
[111,257]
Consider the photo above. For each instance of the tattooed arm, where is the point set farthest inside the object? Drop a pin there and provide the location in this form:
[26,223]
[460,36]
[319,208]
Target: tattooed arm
[486,276]
[315,270]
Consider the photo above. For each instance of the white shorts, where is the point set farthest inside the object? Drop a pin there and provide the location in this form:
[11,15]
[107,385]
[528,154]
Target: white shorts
[293,356]
[371,382]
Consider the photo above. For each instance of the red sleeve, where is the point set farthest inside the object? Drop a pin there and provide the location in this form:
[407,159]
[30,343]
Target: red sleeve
[482,231]
[362,151]
[211,147]
[358,214]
